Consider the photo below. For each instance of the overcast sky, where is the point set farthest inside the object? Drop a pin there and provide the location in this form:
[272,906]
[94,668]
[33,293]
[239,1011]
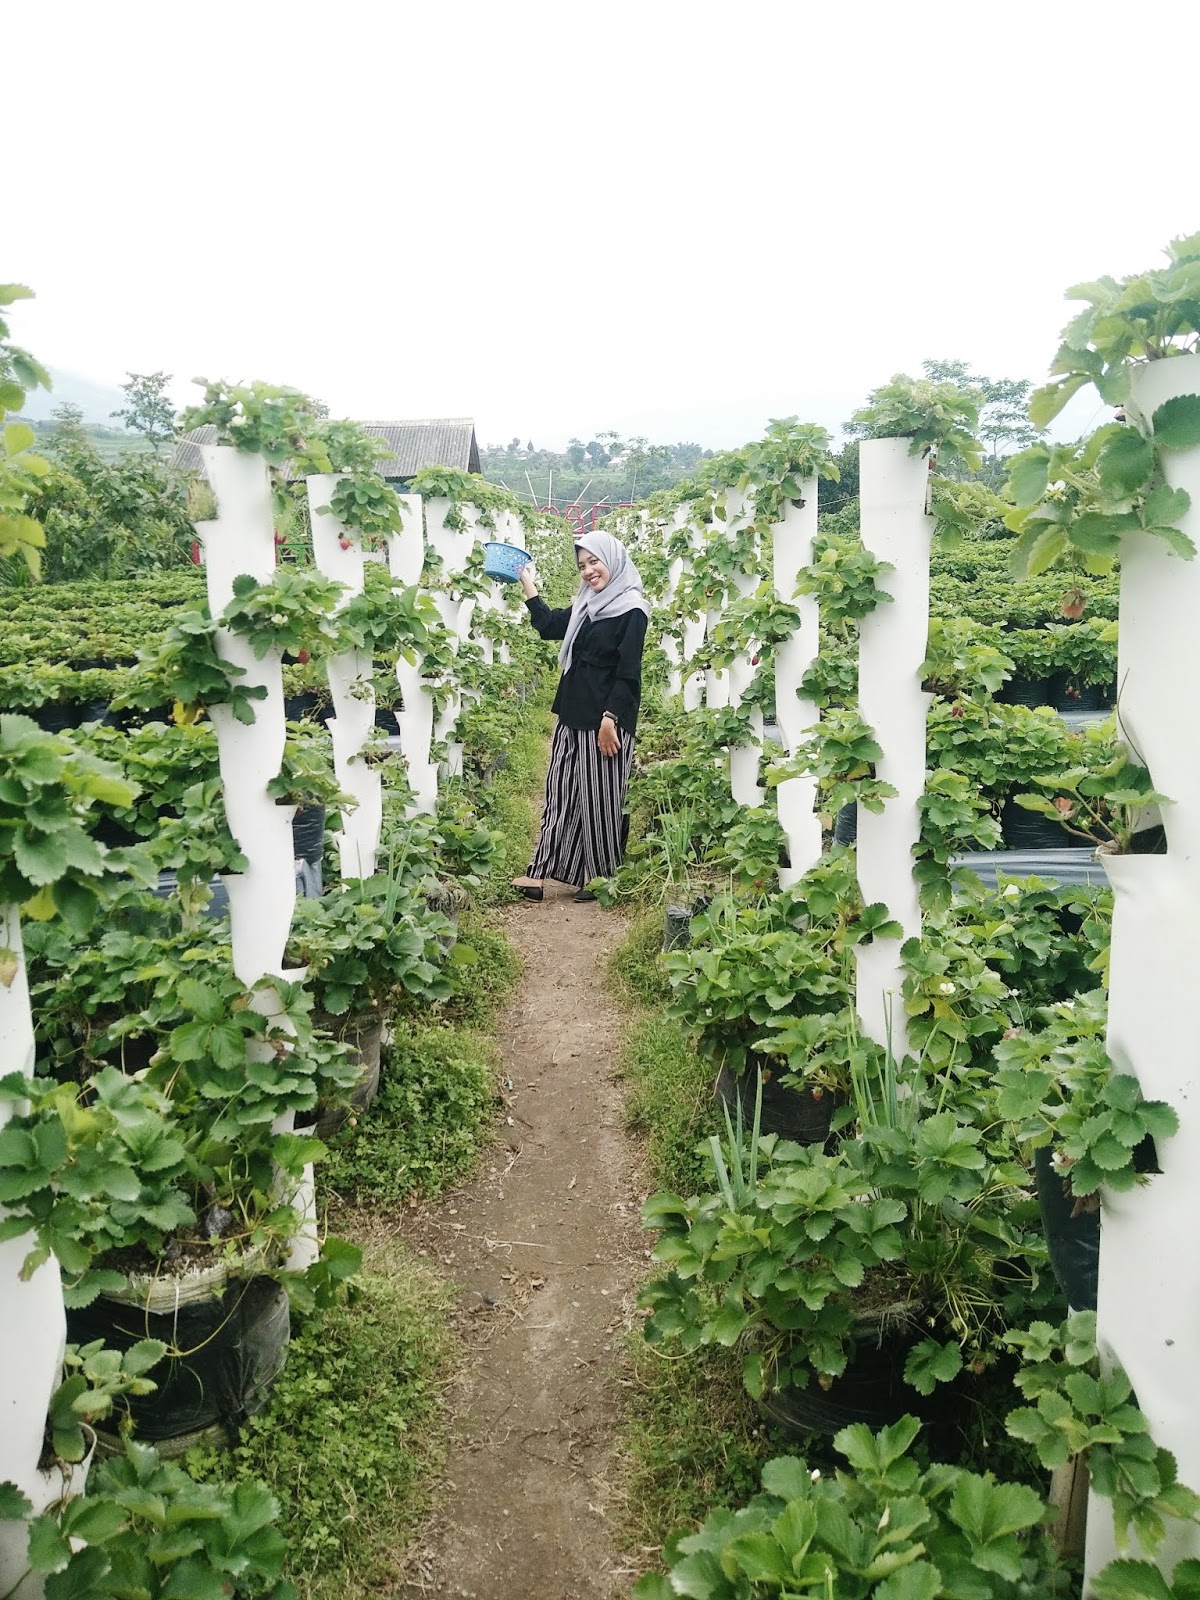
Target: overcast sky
[669,218]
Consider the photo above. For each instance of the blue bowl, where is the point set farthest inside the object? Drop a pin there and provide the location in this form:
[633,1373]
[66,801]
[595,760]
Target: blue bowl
[504,561]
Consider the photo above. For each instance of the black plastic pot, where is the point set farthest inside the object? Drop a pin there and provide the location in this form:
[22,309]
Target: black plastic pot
[1072,1236]
[107,831]
[802,1115]
[364,1035]
[230,1346]
[1022,691]
[1070,696]
[845,825]
[57,716]
[1029,830]
[308,834]
[385,718]
[871,1390]
[298,707]
[677,922]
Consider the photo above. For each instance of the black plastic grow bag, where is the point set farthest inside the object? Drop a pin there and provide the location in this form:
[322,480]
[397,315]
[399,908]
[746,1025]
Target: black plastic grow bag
[230,1348]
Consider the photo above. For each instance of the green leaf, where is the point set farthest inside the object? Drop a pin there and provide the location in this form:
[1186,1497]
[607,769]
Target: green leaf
[919,1581]
[13,1505]
[1029,476]
[48,1550]
[18,436]
[1176,423]
[1130,1580]
[1126,461]
[1045,550]
[760,1558]
[930,1363]
[1045,403]
[41,857]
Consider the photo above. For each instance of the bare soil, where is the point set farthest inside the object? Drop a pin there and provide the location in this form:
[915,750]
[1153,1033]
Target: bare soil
[546,1248]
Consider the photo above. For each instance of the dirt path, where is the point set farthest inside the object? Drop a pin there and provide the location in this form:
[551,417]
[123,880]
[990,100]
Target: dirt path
[545,1245]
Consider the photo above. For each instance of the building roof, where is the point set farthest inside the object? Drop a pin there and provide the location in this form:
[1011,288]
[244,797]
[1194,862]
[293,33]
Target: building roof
[426,442]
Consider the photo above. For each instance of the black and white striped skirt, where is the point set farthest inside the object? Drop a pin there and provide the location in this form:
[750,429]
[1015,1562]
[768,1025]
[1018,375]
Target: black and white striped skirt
[582,834]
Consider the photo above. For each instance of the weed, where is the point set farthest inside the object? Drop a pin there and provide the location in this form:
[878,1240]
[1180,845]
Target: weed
[426,1126]
[691,1442]
[487,983]
[348,1439]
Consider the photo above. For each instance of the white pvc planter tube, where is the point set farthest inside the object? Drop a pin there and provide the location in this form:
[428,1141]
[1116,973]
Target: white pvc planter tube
[671,646]
[694,629]
[1148,1312]
[745,760]
[406,560]
[338,554]
[33,1326]
[893,641]
[454,546]
[241,540]
[792,549]
[262,900]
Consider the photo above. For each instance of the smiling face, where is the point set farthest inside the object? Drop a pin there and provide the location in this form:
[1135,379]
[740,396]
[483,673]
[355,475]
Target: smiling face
[592,570]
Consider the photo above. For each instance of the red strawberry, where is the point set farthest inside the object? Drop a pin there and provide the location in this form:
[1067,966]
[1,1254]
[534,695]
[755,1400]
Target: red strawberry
[344,543]
[303,656]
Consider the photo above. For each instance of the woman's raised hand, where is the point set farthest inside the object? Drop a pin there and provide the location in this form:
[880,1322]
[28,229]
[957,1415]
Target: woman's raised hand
[528,586]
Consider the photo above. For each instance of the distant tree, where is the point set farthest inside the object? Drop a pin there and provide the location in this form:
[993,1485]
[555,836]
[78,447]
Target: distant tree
[529,446]
[1004,424]
[148,410]
[513,448]
[576,452]
[68,437]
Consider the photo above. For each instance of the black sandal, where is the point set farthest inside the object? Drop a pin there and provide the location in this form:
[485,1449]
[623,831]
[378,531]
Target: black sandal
[583,896]
[530,891]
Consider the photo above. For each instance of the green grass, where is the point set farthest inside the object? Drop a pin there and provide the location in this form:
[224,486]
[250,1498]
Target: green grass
[512,800]
[489,982]
[427,1125]
[669,1089]
[691,1442]
[350,1440]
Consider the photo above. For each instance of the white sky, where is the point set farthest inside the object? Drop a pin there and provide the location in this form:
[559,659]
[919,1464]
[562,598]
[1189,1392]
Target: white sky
[670,217]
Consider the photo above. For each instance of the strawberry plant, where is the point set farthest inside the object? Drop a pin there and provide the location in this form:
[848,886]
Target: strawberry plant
[939,418]
[293,612]
[186,671]
[886,1529]
[1150,316]
[48,860]
[1056,1086]
[1079,1407]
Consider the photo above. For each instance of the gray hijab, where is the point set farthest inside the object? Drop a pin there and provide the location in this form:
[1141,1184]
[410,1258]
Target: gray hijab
[622,592]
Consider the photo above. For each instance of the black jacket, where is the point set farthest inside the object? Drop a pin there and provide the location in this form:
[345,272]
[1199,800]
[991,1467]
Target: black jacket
[606,666]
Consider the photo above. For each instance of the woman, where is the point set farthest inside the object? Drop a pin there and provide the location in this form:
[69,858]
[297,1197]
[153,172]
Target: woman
[602,632]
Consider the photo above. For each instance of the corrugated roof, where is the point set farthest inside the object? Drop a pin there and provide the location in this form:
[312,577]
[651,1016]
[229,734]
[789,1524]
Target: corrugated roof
[425,442]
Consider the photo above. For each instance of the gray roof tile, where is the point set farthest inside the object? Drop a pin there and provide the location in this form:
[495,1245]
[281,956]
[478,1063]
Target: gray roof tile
[426,442]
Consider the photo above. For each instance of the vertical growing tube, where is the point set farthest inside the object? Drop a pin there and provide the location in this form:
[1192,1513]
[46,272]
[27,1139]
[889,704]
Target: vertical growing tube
[406,561]
[454,546]
[1149,1291]
[262,900]
[33,1326]
[744,759]
[350,689]
[694,629]
[892,646]
[792,549]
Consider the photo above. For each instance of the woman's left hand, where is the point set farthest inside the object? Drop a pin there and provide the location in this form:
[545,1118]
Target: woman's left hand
[608,739]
